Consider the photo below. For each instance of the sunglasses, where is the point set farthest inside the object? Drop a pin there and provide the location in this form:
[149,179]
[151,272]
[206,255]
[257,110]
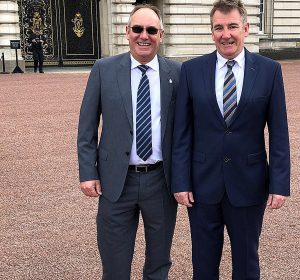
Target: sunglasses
[151,30]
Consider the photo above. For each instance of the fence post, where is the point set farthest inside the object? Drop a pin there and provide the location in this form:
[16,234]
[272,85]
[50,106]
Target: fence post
[3,65]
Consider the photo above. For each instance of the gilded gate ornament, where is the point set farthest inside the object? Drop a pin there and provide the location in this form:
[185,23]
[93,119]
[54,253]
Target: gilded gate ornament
[35,18]
[68,34]
[78,25]
[36,22]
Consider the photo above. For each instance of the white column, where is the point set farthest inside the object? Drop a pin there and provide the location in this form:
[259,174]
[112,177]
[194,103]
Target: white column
[120,11]
[9,30]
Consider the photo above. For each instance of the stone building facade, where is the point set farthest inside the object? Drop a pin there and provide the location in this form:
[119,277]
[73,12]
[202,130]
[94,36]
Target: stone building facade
[274,28]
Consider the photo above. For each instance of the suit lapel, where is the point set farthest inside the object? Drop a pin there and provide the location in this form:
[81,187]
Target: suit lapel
[250,74]
[124,83]
[210,85]
[166,89]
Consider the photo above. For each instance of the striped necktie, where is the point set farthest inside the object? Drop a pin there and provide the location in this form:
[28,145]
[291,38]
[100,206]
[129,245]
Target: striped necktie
[143,117]
[229,93]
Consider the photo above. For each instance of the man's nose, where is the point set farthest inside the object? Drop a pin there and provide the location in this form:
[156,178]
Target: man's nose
[144,34]
[226,33]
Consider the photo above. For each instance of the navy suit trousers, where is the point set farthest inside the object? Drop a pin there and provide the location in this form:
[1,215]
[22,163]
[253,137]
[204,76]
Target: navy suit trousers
[243,225]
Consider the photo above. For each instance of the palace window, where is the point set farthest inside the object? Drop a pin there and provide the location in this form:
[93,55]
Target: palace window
[262,16]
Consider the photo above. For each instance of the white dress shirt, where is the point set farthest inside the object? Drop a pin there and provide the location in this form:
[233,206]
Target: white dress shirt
[221,70]
[154,83]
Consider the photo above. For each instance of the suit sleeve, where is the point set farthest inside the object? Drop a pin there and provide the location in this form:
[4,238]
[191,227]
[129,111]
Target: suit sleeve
[279,148]
[87,141]
[182,138]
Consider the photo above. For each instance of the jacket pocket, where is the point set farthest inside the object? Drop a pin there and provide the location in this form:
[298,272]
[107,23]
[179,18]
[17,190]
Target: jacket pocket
[200,157]
[257,157]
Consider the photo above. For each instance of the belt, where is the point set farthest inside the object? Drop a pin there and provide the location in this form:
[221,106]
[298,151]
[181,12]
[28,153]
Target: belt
[145,167]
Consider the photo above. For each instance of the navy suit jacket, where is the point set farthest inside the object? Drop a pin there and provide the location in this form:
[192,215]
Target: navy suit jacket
[209,158]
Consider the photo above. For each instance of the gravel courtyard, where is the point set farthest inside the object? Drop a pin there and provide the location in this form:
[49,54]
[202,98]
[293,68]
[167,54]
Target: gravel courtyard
[47,226]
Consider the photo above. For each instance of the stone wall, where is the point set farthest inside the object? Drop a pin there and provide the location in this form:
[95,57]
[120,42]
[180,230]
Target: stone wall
[9,30]
[281,36]
[187,27]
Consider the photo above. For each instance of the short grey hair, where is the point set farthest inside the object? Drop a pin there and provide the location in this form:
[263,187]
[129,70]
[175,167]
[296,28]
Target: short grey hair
[147,6]
[226,6]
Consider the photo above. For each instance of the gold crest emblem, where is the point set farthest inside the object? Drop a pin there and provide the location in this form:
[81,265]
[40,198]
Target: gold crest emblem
[78,25]
[37,24]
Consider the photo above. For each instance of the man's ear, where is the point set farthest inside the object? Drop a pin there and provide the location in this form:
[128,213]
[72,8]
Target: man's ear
[127,32]
[246,28]
[162,35]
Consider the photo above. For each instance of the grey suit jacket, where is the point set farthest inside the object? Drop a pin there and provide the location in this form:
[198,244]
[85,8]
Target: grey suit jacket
[108,94]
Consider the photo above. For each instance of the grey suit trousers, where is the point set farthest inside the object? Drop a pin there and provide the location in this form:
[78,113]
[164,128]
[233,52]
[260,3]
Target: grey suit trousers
[117,224]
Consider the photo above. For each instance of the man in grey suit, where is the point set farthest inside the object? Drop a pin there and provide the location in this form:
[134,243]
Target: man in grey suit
[129,169]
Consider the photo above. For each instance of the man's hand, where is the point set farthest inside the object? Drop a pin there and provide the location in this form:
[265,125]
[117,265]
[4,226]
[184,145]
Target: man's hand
[275,201]
[185,198]
[91,188]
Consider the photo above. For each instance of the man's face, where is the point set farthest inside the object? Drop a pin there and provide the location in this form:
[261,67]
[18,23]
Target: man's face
[229,32]
[144,46]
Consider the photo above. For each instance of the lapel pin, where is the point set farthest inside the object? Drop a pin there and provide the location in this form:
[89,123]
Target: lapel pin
[170,81]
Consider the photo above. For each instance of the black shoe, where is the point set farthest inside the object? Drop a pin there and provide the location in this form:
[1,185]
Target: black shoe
[41,71]
[35,70]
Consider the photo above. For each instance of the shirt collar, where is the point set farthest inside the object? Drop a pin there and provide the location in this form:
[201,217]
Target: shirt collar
[240,60]
[153,64]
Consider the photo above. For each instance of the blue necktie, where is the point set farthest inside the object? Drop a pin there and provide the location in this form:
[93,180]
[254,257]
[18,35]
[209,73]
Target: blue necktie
[229,93]
[143,117]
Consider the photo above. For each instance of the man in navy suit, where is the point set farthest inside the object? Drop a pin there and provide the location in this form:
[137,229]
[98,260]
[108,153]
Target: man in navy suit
[220,169]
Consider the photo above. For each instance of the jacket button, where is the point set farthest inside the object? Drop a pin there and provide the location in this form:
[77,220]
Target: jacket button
[131,132]
[227,132]
[127,153]
[227,159]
